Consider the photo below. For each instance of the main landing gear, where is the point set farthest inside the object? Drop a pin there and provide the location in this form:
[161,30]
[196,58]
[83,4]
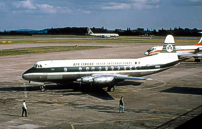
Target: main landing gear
[42,88]
[111,88]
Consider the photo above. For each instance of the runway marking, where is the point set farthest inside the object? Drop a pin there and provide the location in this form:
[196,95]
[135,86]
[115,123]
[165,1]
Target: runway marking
[143,119]
[72,126]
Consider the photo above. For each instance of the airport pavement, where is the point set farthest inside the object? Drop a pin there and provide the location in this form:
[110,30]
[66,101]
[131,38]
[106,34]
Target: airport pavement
[169,100]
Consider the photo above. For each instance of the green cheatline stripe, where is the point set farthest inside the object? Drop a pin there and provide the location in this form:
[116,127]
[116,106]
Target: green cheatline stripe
[34,50]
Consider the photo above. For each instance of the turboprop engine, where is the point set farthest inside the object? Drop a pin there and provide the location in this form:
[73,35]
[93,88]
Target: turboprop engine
[97,80]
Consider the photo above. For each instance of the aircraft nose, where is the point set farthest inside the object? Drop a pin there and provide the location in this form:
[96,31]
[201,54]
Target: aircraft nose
[25,76]
[146,53]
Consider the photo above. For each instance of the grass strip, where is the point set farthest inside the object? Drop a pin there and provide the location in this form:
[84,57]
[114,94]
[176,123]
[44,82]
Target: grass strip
[88,39]
[34,50]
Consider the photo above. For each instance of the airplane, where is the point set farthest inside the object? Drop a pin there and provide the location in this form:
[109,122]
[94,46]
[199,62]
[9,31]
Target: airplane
[103,35]
[103,72]
[181,50]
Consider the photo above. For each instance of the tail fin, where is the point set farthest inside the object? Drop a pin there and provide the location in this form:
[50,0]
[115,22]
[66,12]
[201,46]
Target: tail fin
[169,45]
[89,31]
[168,55]
[199,43]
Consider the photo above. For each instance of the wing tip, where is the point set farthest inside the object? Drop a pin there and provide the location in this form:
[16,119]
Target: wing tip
[148,79]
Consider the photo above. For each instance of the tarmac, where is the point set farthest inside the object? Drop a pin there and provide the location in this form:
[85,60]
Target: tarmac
[171,99]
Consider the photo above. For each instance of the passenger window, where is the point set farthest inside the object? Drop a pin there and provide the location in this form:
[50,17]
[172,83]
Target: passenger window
[93,68]
[100,68]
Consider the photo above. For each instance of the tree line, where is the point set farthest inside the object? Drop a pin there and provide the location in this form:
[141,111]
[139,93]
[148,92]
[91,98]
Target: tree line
[129,32]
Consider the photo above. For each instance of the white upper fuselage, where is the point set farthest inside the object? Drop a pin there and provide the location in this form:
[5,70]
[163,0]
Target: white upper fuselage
[105,34]
[145,61]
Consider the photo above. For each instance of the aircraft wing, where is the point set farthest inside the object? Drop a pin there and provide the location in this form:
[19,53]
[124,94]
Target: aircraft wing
[120,77]
[131,78]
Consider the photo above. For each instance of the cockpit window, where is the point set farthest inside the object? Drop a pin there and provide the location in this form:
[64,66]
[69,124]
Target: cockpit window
[37,66]
[151,48]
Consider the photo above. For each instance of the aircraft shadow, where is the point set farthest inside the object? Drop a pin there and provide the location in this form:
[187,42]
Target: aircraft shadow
[12,115]
[97,92]
[125,83]
[30,88]
[73,89]
[184,90]
[68,89]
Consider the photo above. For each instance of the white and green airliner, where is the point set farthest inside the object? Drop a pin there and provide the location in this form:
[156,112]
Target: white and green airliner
[103,72]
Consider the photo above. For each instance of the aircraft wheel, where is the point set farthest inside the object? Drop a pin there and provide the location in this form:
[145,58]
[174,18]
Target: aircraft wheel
[111,89]
[42,88]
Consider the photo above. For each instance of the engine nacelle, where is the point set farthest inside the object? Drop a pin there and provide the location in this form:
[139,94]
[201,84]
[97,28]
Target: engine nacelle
[98,80]
[102,80]
[87,79]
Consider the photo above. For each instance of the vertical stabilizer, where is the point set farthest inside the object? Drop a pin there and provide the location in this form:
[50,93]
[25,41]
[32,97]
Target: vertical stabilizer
[168,53]
[200,42]
[169,45]
[89,31]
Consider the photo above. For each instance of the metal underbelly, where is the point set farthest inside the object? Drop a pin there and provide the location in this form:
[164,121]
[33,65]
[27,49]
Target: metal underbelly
[73,76]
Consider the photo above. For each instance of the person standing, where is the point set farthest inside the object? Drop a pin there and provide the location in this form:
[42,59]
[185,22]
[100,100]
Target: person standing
[24,109]
[121,105]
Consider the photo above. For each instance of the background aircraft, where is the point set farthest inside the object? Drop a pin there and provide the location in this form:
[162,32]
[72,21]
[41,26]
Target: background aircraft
[103,35]
[181,50]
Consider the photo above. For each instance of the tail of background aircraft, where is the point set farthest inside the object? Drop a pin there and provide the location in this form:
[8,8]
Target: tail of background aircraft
[169,45]
[89,31]
[199,43]
[169,52]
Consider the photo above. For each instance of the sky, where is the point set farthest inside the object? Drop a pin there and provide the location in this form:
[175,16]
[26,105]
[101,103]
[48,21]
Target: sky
[110,14]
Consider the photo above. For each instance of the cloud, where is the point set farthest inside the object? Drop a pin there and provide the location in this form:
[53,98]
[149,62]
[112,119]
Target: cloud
[2,5]
[195,3]
[137,4]
[117,6]
[146,4]
[195,0]
[82,11]
[28,6]
[25,4]
[141,6]
[46,8]
[63,9]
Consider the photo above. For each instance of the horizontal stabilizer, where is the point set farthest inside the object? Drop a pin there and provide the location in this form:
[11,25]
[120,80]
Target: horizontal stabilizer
[132,78]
